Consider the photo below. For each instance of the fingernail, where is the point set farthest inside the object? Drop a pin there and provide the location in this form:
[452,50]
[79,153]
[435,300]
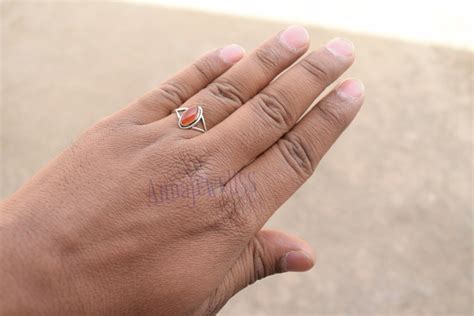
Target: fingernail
[340,47]
[351,89]
[232,53]
[294,37]
[296,261]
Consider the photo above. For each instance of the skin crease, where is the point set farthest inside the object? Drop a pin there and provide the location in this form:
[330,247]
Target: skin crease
[140,217]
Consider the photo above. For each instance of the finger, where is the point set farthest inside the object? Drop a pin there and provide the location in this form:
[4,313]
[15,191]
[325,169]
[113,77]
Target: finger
[171,94]
[268,253]
[249,76]
[284,167]
[264,119]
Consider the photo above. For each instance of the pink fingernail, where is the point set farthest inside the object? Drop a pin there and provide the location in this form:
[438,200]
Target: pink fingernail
[231,53]
[296,261]
[351,89]
[341,47]
[294,37]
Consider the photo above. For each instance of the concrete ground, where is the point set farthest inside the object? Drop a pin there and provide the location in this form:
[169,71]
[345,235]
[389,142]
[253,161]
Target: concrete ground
[389,210]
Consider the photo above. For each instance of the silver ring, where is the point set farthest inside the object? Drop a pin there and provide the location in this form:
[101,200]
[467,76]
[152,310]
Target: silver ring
[189,118]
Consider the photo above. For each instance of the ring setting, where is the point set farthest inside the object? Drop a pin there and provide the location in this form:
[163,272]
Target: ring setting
[190,118]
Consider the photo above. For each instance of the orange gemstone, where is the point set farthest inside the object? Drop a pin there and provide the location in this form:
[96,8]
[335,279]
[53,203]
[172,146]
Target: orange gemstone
[189,116]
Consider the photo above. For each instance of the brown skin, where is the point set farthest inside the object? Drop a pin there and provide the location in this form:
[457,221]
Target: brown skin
[100,230]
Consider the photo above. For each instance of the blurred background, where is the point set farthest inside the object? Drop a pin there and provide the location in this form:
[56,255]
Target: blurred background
[389,210]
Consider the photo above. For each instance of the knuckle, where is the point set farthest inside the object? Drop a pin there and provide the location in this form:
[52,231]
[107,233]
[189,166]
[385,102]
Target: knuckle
[318,70]
[297,154]
[275,107]
[204,68]
[227,91]
[191,162]
[173,92]
[192,165]
[334,115]
[268,57]
[112,128]
[107,125]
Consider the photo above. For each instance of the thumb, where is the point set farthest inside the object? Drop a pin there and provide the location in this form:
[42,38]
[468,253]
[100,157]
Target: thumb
[269,252]
[273,251]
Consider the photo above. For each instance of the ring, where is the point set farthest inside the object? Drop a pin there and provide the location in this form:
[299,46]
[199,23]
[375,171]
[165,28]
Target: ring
[189,118]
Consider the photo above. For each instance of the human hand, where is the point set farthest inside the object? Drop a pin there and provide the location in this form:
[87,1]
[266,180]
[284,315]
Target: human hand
[139,216]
